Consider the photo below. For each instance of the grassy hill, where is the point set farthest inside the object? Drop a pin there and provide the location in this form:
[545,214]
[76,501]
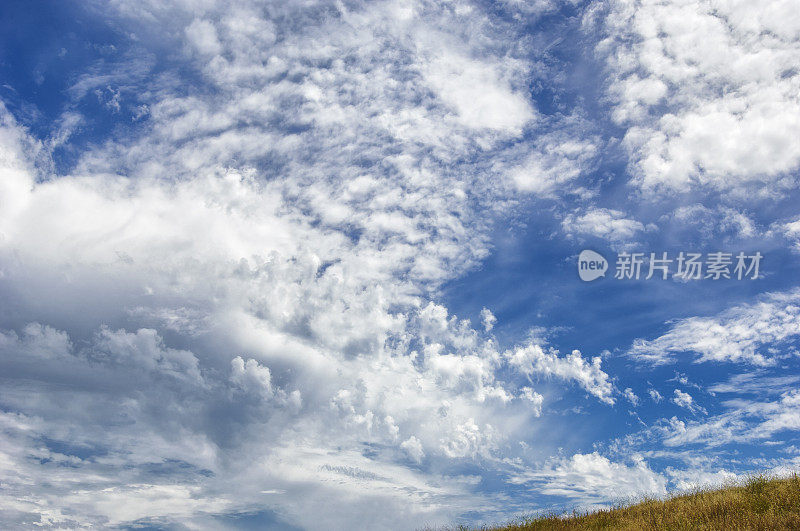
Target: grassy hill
[758,503]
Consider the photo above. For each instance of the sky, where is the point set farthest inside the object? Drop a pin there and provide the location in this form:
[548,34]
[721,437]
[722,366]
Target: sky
[312,264]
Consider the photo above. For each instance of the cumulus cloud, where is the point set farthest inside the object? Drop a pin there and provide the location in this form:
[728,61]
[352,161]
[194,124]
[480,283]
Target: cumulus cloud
[413,447]
[533,359]
[683,72]
[251,376]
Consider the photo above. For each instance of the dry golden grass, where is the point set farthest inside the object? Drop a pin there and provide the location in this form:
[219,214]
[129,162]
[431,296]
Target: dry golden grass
[758,503]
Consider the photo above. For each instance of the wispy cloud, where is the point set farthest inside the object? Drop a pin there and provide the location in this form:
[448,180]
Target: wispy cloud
[743,334]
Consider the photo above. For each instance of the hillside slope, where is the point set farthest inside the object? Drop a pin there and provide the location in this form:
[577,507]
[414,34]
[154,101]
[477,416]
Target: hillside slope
[759,503]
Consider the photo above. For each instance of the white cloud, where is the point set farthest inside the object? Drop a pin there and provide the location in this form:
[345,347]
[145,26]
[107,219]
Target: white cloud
[755,383]
[202,36]
[655,396]
[201,319]
[682,399]
[685,400]
[488,319]
[534,398]
[237,305]
[631,397]
[413,447]
[791,231]
[477,92]
[742,334]
[711,223]
[553,168]
[693,479]
[793,228]
[743,421]
[707,90]
[611,225]
[251,376]
[594,479]
[125,431]
[533,360]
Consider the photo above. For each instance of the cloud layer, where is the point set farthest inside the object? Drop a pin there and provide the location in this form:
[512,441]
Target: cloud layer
[224,262]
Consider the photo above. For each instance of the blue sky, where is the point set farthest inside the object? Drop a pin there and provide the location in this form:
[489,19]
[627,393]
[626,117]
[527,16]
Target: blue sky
[306,265]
